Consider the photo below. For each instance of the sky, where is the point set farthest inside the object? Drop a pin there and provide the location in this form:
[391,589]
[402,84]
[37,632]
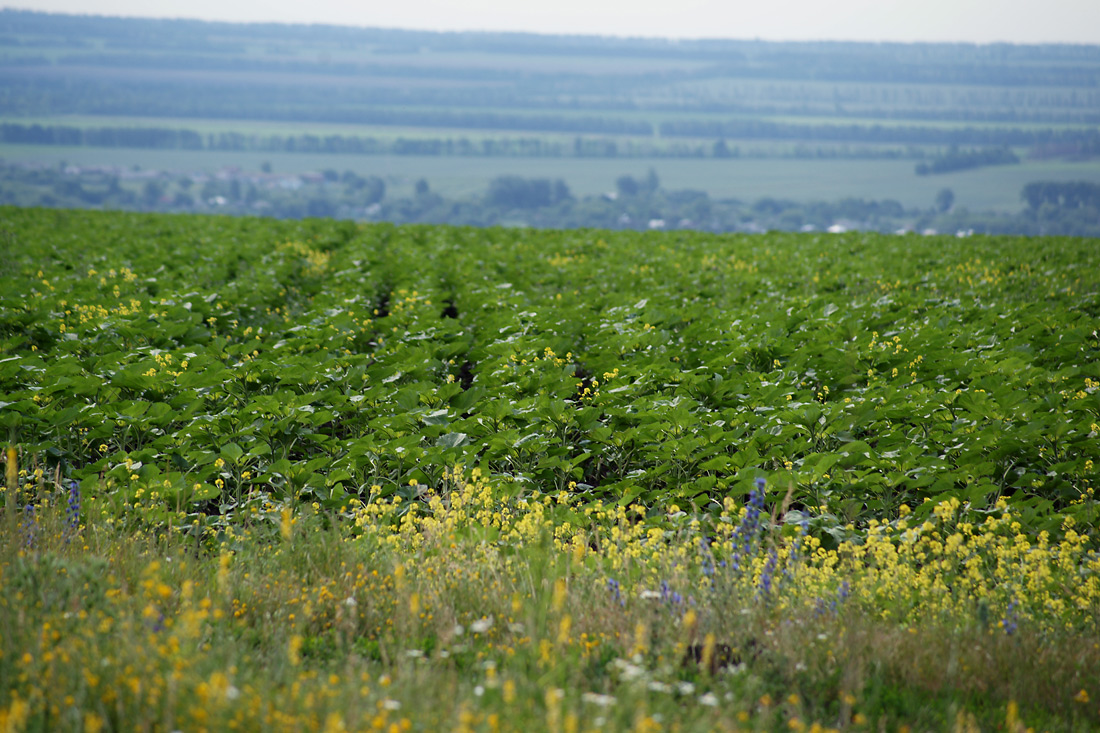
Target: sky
[977,21]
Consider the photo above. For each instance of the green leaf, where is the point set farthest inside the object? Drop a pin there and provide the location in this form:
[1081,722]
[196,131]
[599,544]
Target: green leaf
[232,452]
[452,440]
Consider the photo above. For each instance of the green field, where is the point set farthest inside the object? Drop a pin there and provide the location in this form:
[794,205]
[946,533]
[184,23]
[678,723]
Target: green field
[513,295]
[748,179]
[274,127]
[279,127]
[326,476]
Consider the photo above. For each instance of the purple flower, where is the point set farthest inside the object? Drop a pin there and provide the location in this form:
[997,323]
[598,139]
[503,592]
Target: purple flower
[72,512]
[795,555]
[747,532]
[616,591]
[670,596]
[708,558]
[764,587]
[1011,621]
[30,527]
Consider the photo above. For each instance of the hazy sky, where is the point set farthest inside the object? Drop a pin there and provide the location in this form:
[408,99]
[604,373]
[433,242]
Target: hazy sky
[981,21]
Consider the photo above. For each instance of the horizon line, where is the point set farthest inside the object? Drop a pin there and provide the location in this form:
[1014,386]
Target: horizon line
[673,40]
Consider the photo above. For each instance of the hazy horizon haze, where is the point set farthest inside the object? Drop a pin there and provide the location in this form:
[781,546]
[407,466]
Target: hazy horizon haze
[965,21]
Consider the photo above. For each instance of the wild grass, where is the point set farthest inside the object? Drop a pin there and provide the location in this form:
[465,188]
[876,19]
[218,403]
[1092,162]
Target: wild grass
[486,607]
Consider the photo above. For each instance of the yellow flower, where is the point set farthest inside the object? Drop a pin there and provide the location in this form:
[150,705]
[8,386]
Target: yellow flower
[641,639]
[334,723]
[564,627]
[1012,715]
[560,593]
[92,723]
[286,523]
[689,621]
[223,570]
[12,468]
[294,650]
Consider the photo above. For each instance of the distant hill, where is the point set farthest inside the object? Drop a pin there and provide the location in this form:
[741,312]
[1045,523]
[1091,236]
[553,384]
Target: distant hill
[70,64]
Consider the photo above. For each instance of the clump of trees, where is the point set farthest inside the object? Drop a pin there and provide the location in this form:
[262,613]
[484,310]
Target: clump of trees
[516,192]
[1061,194]
[960,160]
[629,186]
[1063,207]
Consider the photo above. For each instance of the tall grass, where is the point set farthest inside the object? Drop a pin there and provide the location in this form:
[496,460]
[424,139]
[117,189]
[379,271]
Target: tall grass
[483,607]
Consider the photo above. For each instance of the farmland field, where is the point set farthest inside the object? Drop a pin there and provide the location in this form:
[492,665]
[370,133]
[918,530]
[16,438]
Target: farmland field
[333,476]
[247,126]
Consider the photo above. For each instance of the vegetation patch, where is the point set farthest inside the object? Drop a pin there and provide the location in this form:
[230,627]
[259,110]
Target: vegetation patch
[326,475]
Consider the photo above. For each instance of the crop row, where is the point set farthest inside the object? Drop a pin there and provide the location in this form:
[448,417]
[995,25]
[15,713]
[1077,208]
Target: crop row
[195,364]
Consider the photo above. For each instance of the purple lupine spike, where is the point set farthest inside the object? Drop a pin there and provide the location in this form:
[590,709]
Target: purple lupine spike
[72,512]
[764,587]
[30,527]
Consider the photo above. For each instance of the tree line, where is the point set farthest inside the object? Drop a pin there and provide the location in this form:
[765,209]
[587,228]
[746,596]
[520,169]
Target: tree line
[1086,141]
[1077,144]
[523,146]
[960,160]
[1076,195]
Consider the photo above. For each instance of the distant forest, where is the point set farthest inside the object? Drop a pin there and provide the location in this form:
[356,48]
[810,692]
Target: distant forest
[1084,143]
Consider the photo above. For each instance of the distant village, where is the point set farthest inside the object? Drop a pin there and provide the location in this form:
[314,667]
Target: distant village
[510,201]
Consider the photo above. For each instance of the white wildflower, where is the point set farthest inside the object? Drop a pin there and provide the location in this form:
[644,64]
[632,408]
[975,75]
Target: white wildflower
[482,625]
[596,698]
